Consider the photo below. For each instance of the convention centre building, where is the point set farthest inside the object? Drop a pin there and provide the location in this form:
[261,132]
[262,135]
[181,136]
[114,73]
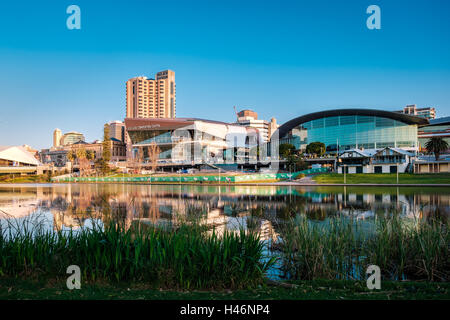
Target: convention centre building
[346,129]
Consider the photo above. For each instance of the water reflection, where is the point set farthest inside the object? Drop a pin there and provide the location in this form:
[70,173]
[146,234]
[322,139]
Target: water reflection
[259,208]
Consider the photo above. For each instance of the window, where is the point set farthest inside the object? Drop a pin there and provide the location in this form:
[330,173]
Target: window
[378,169]
[384,122]
[348,120]
[331,121]
[317,123]
[365,119]
[386,144]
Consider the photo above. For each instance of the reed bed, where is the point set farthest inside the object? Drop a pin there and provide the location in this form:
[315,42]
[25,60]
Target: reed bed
[343,248]
[183,258]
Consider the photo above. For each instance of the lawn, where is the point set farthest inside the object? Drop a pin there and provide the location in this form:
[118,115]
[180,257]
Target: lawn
[11,288]
[24,179]
[404,178]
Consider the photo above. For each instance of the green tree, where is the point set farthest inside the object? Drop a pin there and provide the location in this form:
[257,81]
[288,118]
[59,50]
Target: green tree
[81,153]
[103,163]
[49,175]
[90,155]
[436,145]
[317,148]
[106,152]
[296,163]
[286,149]
[71,156]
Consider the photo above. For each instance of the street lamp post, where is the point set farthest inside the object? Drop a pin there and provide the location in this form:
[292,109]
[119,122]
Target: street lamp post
[345,177]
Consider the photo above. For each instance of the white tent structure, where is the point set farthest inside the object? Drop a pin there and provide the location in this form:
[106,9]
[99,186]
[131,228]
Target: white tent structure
[17,156]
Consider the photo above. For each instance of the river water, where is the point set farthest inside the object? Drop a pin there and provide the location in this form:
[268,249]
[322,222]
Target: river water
[74,206]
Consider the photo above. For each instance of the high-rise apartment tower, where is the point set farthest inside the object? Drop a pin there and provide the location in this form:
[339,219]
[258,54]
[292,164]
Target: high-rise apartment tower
[152,98]
[57,134]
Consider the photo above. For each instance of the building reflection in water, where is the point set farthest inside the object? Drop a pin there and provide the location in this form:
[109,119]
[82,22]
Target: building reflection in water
[226,208]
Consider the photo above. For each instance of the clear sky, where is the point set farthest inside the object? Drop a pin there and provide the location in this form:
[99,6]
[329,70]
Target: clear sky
[279,58]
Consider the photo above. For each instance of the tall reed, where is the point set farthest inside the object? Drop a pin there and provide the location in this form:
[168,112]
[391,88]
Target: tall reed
[343,248]
[186,257]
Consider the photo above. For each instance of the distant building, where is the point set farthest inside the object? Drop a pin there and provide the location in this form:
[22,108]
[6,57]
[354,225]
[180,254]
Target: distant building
[430,165]
[57,134]
[249,118]
[69,138]
[412,110]
[58,156]
[436,128]
[16,159]
[151,98]
[55,156]
[117,130]
[273,126]
[117,149]
[386,160]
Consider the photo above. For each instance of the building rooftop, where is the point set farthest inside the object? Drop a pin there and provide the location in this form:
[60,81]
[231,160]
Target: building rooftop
[364,153]
[166,123]
[18,154]
[440,121]
[405,118]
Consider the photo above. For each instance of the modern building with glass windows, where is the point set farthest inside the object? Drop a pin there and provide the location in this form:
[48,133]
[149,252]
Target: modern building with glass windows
[71,138]
[346,129]
[191,140]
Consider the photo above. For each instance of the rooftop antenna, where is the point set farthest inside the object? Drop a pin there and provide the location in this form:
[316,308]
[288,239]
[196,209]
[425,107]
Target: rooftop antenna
[236,112]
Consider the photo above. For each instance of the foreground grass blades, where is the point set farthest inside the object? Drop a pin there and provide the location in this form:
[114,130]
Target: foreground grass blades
[184,258]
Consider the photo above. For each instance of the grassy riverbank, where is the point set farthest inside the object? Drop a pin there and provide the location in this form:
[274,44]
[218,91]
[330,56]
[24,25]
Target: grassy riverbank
[11,288]
[24,179]
[385,178]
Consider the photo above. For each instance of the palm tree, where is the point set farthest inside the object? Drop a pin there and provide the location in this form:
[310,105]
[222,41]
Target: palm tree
[436,145]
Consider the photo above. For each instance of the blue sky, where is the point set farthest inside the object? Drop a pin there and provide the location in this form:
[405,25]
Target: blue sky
[279,58]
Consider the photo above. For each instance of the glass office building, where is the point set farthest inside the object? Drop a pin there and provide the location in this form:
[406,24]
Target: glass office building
[190,140]
[353,128]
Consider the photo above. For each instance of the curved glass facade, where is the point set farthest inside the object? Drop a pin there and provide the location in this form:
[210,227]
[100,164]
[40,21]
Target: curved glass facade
[367,132]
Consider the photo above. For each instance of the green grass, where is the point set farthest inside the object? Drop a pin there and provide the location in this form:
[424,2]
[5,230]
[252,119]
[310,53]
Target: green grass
[11,288]
[386,178]
[343,248]
[186,257]
[24,179]
[125,175]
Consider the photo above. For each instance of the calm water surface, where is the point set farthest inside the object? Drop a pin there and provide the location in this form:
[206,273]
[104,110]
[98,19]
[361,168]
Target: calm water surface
[263,208]
[227,208]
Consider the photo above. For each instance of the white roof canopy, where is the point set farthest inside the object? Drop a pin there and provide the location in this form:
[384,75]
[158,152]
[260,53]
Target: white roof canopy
[18,154]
